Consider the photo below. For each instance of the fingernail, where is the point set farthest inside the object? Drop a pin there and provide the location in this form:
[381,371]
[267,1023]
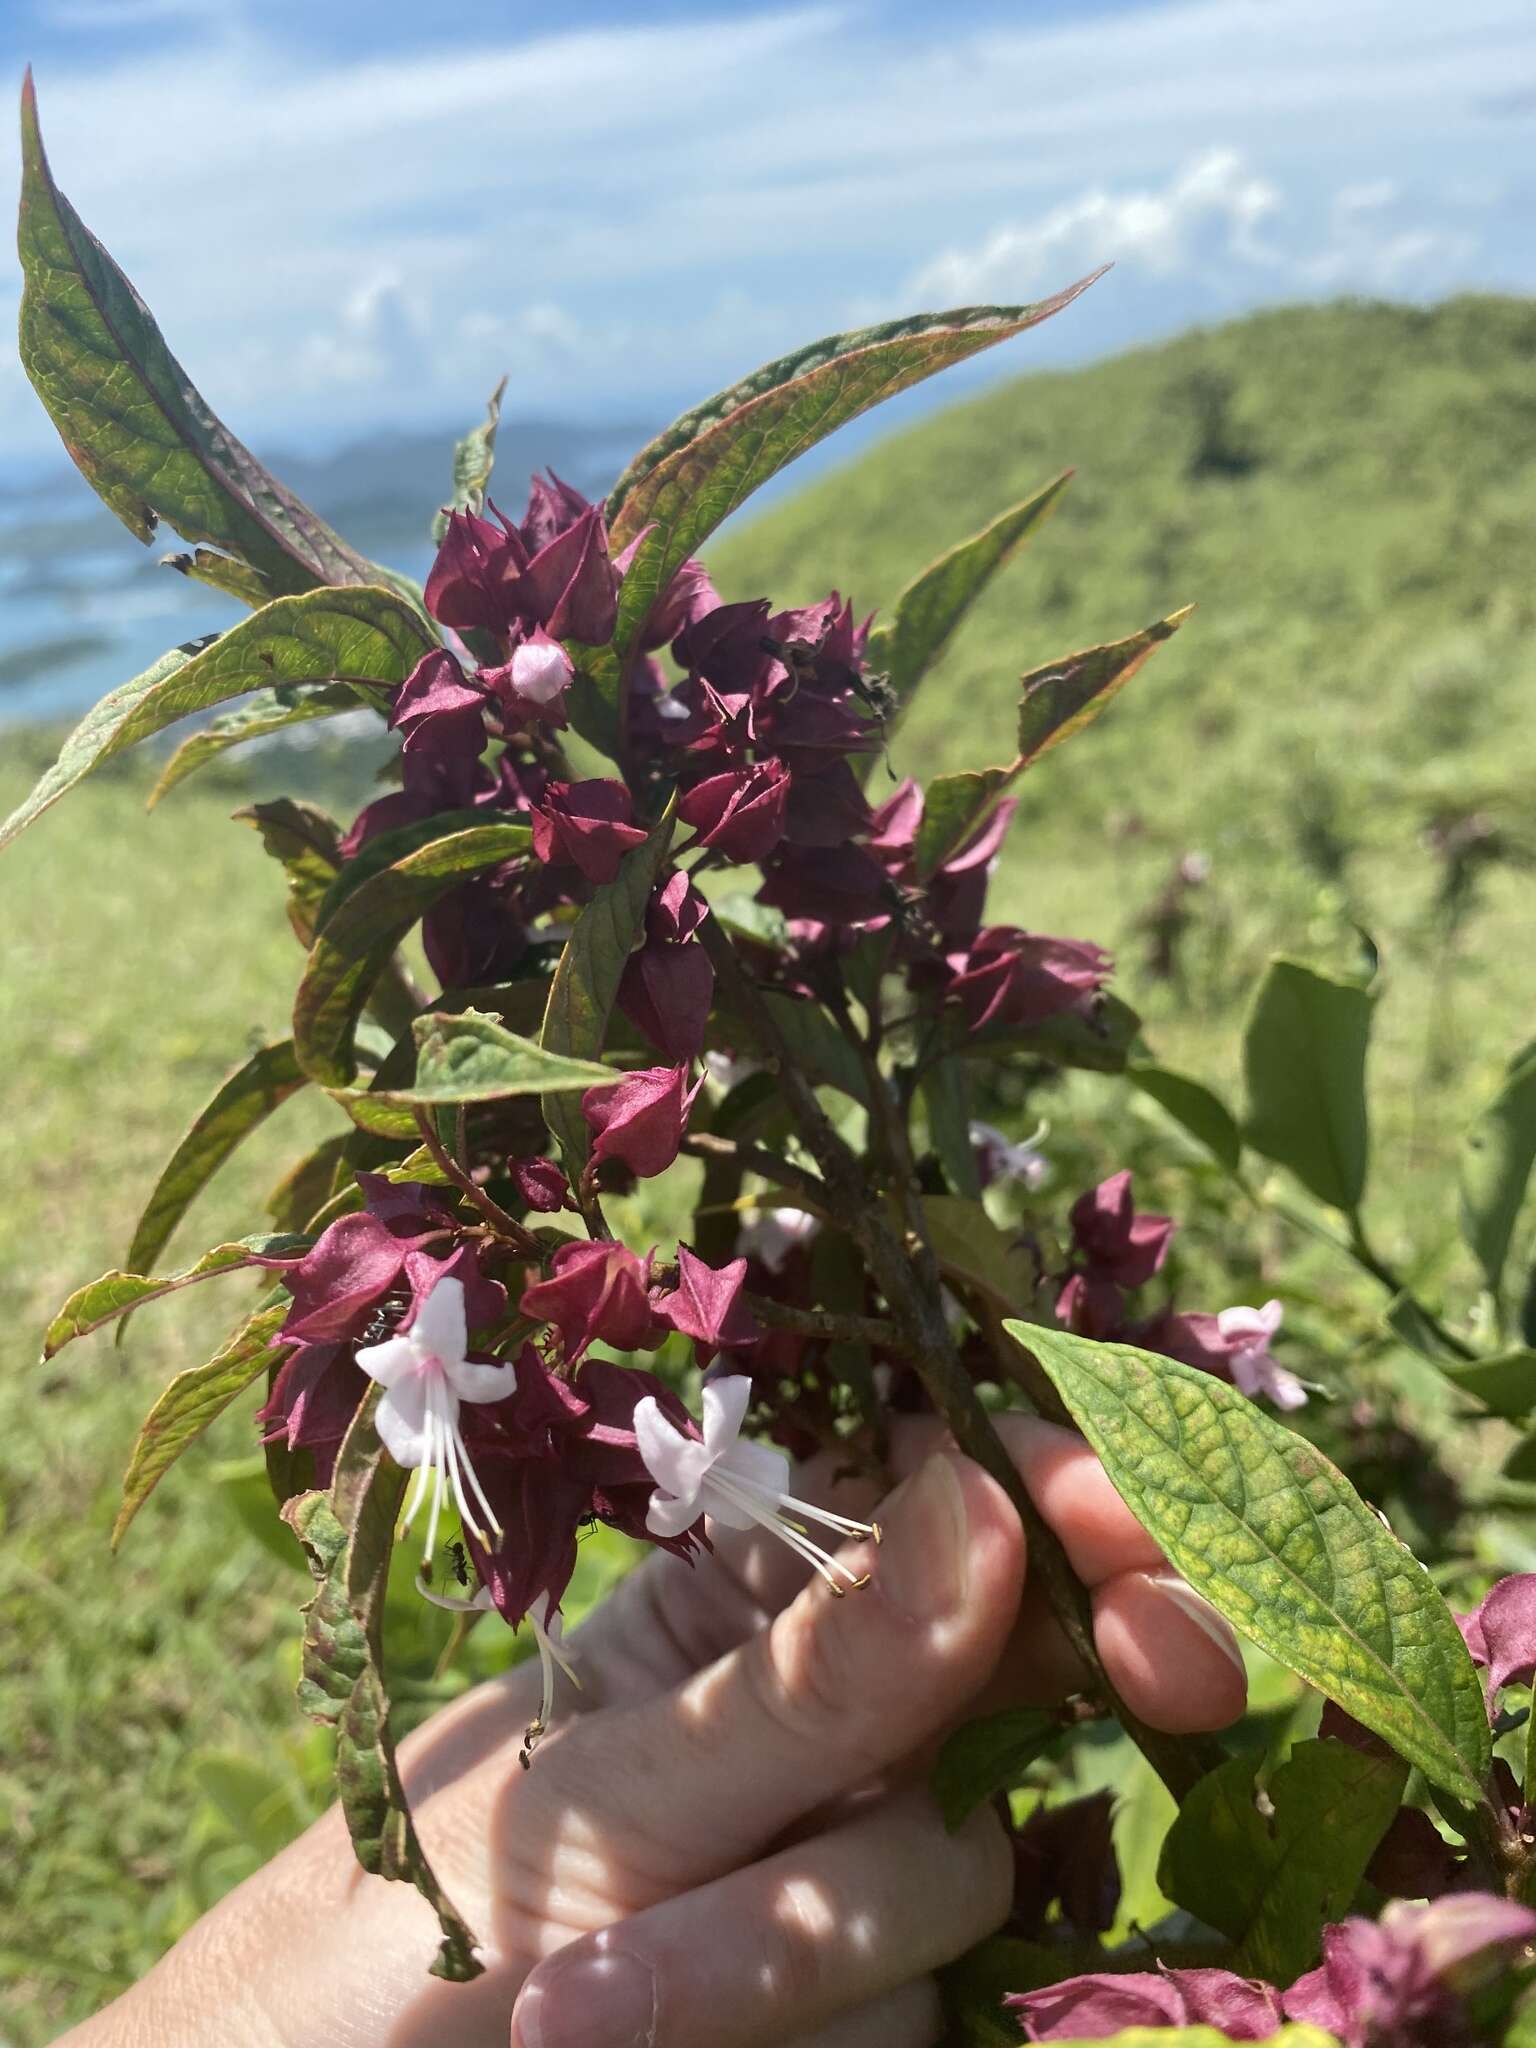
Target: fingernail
[1200,1611]
[923,1560]
[592,2001]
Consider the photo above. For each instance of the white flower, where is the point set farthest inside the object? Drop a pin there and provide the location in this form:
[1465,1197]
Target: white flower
[772,1234]
[737,1484]
[726,1071]
[541,669]
[1001,1159]
[548,1625]
[1249,1330]
[425,1376]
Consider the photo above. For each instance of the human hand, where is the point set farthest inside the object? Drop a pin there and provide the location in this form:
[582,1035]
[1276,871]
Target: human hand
[726,1840]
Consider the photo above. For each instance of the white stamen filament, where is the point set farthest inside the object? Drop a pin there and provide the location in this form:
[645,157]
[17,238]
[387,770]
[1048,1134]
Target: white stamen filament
[768,1510]
[444,1467]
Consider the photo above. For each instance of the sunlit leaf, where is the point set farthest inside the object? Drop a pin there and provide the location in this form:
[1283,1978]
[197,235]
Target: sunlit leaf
[114,1294]
[473,458]
[1276,1538]
[192,1401]
[472,1057]
[1304,1060]
[992,1755]
[249,1096]
[1194,1108]
[268,711]
[129,415]
[367,637]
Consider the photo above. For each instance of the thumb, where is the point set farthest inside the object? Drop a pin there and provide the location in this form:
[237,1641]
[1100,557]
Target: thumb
[830,1693]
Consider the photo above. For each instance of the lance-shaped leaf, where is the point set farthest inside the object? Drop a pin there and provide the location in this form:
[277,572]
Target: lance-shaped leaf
[1054,703]
[348,1536]
[129,415]
[222,572]
[988,1756]
[306,841]
[1194,1108]
[1276,1538]
[114,1294]
[359,931]
[472,461]
[1272,1881]
[192,1401]
[1098,1040]
[365,636]
[474,1058]
[586,983]
[1304,1062]
[1496,1158]
[692,477]
[818,1048]
[267,712]
[925,616]
[1505,1383]
[249,1096]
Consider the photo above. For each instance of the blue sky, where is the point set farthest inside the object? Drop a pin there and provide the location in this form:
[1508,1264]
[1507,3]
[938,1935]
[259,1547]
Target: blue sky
[350,215]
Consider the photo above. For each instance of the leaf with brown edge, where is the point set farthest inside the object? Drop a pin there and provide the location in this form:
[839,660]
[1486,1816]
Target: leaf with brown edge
[193,1400]
[1054,703]
[306,841]
[1276,1538]
[245,1100]
[114,1294]
[348,1536]
[925,616]
[473,458]
[267,711]
[707,463]
[365,637]
[129,415]
[586,982]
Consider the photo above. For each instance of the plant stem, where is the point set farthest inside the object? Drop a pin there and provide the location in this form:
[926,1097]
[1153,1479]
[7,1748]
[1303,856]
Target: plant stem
[817,1322]
[904,1270]
[504,1225]
[756,1159]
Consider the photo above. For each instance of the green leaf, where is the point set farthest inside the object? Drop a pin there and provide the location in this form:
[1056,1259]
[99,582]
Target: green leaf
[1496,1158]
[222,572]
[472,461]
[1099,1041]
[692,477]
[357,933]
[1275,1537]
[362,636]
[249,1096]
[307,843]
[1194,1108]
[1505,1384]
[267,712]
[130,417]
[946,1093]
[1304,1061]
[1055,702]
[114,1294]
[925,616]
[953,806]
[348,1536]
[1272,1881]
[586,982]
[472,1057]
[815,1044]
[1059,700]
[194,1399]
[975,1254]
[989,1756]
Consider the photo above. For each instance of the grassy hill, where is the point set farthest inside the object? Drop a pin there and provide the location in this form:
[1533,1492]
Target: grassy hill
[1348,493]
[1346,729]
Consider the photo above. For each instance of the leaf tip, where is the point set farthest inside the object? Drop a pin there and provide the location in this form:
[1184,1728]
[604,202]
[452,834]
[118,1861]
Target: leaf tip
[1176,619]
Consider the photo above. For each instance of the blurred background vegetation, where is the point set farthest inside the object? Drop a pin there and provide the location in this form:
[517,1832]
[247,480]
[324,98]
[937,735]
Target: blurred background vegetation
[1334,755]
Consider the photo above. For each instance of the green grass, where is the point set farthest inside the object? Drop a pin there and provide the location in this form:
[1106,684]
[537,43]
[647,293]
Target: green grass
[1346,493]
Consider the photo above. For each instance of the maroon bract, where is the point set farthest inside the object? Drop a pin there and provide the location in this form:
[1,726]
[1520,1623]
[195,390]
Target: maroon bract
[1100,2004]
[1021,978]
[740,812]
[641,1119]
[595,1289]
[707,1304]
[591,825]
[668,984]
[542,1184]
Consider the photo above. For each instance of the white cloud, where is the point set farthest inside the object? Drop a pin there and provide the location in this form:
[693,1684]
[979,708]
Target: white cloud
[1212,210]
[1217,222]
